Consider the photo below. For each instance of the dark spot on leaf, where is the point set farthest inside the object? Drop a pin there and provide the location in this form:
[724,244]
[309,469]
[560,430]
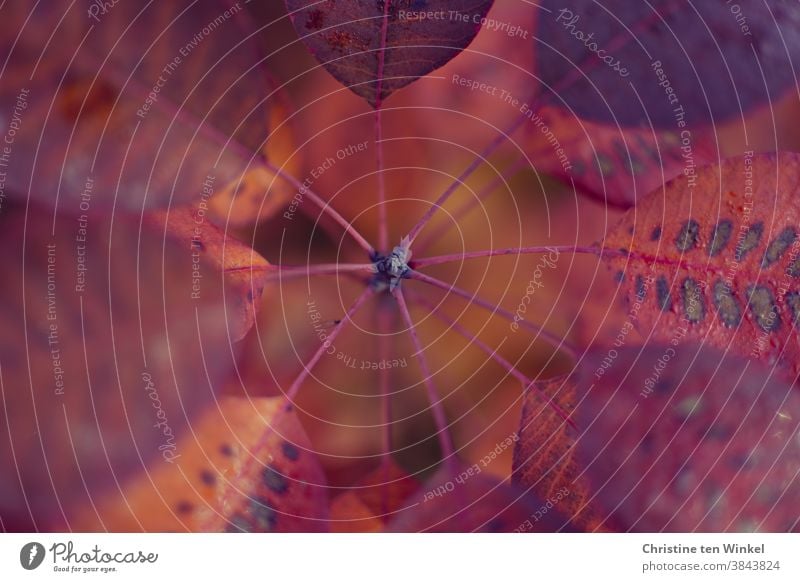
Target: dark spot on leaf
[729,312]
[605,164]
[641,288]
[648,149]
[497,525]
[264,516]
[184,507]
[693,301]
[646,445]
[687,236]
[793,301]
[720,432]
[274,481]
[619,277]
[720,237]
[715,497]
[238,524]
[762,304]
[768,494]
[290,451]
[662,294]
[739,461]
[779,246]
[226,449]
[749,241]
[207,477]
[793,270]
[685,480]
[656,234]
[627,157]
[663,386]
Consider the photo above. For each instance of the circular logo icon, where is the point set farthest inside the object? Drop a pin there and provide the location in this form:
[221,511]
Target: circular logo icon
[31,555]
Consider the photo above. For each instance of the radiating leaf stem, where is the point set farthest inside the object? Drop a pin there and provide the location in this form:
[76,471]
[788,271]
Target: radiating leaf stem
[428,261]
[445,441]
[476,163]
[553,339]
[284,272]
[384,329]
[424,242]
[291,393]
[325,207]
[383,224]
[505,364]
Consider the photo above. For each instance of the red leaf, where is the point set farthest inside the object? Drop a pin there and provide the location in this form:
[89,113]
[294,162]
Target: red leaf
[151,103]
[104,356]
[347,37]
[686,438]
[371,503]
[665,62]
[714,258]
[614,165]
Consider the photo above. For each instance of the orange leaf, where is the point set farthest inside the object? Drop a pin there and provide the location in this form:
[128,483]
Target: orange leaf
[544,457]
[278,485]
[192,492]
[260,193]
[243,269]
[715,259]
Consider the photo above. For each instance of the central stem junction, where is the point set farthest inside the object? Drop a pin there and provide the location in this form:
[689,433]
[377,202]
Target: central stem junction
[389,270]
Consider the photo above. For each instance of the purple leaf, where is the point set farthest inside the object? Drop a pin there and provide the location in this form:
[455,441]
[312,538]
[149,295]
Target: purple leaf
[347,37]
[680,437]
[111,340]
[146,103]
[666,62]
